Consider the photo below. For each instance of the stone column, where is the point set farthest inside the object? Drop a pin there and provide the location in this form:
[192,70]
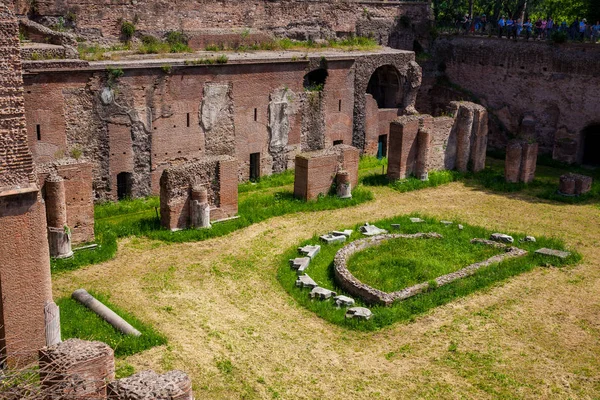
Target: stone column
[59,234]
[479,147]
[464,126]
[567,184]
[528,162]
[199,208]
[402,144]
[76,369]
[423,148]
[343,185]
[512,164]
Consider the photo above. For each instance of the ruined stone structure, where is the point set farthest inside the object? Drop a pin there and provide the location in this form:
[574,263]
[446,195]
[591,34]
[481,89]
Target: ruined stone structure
[316,171]
[575,184]
[262,111]
[187,189]
[521,159]
[552,84]
[25,286]
[421,143]
[395,24]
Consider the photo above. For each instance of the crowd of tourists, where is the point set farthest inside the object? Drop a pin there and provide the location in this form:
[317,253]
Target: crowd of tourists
[540,29]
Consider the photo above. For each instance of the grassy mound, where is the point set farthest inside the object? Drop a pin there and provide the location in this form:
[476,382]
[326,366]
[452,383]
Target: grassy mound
[441,255]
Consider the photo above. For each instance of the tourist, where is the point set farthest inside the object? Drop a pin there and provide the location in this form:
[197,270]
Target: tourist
[509,26]
[519,28]
[464,23]
[483,24]
[501,24]
[528,26]
[595,32]
[544,27]
[549,27]
[582,26]
[538,28]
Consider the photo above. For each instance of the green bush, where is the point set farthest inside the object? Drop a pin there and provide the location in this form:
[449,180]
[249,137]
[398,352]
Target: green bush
[127,30]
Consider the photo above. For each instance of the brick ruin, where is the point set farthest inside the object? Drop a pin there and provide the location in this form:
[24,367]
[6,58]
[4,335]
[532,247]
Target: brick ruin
[422,143]
[516,81]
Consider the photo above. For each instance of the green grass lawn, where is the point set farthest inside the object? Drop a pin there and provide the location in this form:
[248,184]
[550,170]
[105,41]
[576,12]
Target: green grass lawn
[441,255]
[399,263]
[77,321]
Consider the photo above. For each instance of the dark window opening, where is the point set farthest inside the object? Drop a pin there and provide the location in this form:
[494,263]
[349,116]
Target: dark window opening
[38,131]
[124,184]
[385,87]
[254,166]
[382,146]
[336,142]
[256,114]
[188,120]
[315,80]
[340,105]
[591,145]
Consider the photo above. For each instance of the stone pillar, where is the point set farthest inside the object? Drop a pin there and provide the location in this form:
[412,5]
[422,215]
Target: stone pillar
[59,234]
[423,149]
[174,385]
[464,126]
[402,147]
[512,164]
[479,146]
[199,208]
[528,162]
[567,184]
[343,185]
[76,369]
[583,184]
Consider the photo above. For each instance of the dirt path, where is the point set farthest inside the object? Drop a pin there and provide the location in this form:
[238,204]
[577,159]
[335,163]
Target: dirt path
[239,335]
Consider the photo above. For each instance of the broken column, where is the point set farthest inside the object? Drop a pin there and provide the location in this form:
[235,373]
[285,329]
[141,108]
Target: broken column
[174,385]
[59,234]
[423,148]
[343,185]
[464,127]
[574,184]
[521,161]
[76,369]
[402,147]
[199,208]
[479,141]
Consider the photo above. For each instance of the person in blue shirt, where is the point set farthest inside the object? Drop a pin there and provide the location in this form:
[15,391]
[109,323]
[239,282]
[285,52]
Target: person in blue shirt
[509,26]
[519,28]
[549,27]
[528,26]
[501,24]
[595,32]
[582,26]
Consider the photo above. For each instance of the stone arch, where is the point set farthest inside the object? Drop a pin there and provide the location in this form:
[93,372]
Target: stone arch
[386,87]
[315,79]
[409,73]
[590,138]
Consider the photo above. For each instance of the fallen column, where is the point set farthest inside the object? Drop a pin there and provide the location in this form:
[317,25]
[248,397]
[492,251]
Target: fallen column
[82,296]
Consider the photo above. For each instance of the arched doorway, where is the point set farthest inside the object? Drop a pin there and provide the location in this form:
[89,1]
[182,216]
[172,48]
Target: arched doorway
[385,87]
[315,80]
[591,145]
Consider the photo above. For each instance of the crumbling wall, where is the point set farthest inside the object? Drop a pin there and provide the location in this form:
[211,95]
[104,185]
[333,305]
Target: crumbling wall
[422,143]
[24,257]
[78,178]
[282,107]
[552,83]
[298,19]
[216,118]
[315,171]
[217,174]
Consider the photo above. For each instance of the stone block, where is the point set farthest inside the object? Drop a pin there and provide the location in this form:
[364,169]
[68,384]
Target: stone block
[305,281]
[575,184]
[300,264]
[371,230]
[310,250]
[583,184]
[345,232]
[322,293]
[359,313]
[554,253]
[330,238]
[343,301]
[501,237]
[173,385]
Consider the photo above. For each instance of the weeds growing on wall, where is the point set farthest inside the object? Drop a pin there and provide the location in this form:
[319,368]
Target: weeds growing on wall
[77,321]
[455,246]
[352,43]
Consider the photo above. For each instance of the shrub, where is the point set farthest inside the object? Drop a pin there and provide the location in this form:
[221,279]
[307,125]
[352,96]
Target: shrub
[222,59]
[127,30]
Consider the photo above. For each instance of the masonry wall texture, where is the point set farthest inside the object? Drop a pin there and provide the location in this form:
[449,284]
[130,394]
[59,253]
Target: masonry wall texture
[299,19]
[148,120]
[554,84]
[25,284]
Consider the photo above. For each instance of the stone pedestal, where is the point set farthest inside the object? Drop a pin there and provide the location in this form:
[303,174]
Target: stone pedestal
[521,161]
[343,185]
[59,240]
[575,184]
[512,164]
[76,369]
[199,208]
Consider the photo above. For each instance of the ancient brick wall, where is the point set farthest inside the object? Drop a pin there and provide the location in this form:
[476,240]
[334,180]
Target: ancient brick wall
[294,18]
[217,174]
[316,171]
[24,257]
[377,123]
[556,84]
[149,119]
[78,179]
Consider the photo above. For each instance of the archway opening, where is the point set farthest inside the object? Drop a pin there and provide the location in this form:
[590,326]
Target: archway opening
[315,80]
[591,145]
[124,184]
[385,87]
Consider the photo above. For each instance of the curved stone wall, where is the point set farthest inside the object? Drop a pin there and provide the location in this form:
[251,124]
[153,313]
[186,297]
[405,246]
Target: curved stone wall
[368,294]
